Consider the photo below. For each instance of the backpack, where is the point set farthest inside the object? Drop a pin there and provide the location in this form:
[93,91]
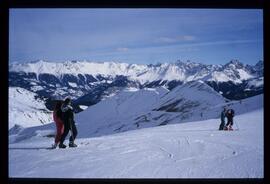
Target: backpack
[59,114]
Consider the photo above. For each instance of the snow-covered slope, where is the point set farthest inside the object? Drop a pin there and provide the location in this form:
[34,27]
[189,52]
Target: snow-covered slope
[189,150]
[25,110]
[255,83]
[120,112]
[130,110]
[190,95]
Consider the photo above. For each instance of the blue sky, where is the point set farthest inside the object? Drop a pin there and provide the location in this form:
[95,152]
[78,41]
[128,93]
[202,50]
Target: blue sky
[143,36]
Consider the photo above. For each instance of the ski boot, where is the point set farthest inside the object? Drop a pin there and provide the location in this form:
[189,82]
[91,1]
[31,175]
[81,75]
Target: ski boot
[226,128]
[54,146]
[230,128]
[221,128]
[61,145]
[72,144]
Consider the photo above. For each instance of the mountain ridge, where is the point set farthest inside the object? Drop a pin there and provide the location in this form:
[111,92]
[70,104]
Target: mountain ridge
[184,71]
[89,82]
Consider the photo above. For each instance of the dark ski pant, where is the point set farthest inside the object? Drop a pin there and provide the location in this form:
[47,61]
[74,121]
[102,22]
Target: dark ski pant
[230,122]
[221,126]
[69,125]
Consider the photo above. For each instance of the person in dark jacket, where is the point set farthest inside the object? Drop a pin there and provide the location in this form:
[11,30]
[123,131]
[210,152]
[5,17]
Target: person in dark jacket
[57,117]
[222,118]
[229,115]
[69,124]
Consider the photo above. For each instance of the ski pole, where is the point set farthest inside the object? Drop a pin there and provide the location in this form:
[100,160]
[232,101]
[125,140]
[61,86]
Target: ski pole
[236,125]
[71,129]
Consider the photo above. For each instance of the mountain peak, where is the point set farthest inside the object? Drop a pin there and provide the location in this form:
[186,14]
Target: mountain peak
[259,67]
[236,62]
[259,64]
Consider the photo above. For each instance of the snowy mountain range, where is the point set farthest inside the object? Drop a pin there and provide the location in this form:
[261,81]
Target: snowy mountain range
[133,108]
[183,71]
[89,82]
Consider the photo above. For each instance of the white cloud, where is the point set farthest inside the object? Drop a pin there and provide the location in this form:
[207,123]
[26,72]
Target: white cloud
[175,39]
[188,38]
[122,49]
[166,40]
[224,42]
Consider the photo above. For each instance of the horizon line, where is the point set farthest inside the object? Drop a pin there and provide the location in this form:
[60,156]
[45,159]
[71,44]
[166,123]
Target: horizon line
[123,62]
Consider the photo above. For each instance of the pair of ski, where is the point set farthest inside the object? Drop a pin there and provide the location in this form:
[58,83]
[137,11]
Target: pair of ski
[52,148]
[230,129]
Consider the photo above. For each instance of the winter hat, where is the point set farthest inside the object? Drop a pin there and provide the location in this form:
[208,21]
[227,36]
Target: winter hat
[67,100]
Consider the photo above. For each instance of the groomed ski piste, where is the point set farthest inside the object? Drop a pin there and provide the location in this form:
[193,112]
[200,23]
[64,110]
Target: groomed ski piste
[193,149]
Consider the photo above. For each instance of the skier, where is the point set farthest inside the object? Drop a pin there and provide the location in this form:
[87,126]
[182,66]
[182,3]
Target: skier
[229,115]
[69,124]
[222,118]
[57,117]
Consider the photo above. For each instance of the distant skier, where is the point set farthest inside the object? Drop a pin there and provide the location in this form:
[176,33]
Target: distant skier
[69,123]
[229,115]
[57,117]
[222,118]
